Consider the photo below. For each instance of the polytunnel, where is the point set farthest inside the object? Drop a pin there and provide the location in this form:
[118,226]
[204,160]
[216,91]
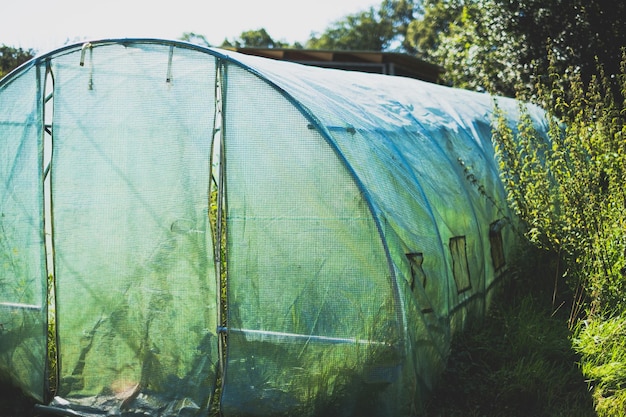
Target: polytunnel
[192,231]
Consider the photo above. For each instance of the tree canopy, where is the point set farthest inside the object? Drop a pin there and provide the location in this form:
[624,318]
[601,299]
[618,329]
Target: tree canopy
[360,31]
[258,38]
[11,58]
[196,38]
[498,45]
[379,29]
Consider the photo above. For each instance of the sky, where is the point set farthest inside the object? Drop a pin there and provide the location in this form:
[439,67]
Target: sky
[44,25]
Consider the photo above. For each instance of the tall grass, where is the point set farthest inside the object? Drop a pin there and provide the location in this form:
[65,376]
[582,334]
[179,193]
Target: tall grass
[602,345]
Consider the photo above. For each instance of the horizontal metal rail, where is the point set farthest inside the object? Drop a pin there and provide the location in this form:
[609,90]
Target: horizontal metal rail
[276,336]
[20,305]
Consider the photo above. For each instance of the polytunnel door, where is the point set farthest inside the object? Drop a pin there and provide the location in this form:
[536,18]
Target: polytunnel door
[313,322]
[23,277]
[135,275]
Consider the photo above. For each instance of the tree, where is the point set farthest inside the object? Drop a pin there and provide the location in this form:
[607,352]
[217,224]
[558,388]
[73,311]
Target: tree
[360,31]
[469,39]
[400,13]
[375,29]
[496,45]
[11,58]
[258,38]
[195,38]
[579,33]
[435,18]
[381,29]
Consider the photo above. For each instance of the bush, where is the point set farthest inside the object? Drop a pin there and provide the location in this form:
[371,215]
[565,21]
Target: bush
[569,190]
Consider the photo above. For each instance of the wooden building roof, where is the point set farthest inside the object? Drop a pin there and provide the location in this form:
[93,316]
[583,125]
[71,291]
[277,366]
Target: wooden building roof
[390,63]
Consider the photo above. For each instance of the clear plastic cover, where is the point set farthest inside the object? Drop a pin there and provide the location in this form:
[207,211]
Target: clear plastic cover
[242,234]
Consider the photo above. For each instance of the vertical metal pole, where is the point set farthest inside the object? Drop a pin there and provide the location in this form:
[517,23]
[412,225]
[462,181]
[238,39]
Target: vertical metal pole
[48,137]
[219,230]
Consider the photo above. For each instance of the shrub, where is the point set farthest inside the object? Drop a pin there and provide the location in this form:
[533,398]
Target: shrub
[569,190]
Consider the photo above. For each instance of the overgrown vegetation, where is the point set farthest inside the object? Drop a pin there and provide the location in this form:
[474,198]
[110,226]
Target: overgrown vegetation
[570,191]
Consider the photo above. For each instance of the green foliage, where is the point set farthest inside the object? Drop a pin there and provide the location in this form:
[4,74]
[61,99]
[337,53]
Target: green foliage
[359,31]
[570,189]
[258,38]
[578,32]
[435,18]
[52,351]
[602,345]
[521,156]
[11,58]
[499,45]
[400,13]
[460,36]
[374,29]
[196,38]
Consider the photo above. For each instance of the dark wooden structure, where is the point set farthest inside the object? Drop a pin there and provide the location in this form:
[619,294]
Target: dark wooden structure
[390,63]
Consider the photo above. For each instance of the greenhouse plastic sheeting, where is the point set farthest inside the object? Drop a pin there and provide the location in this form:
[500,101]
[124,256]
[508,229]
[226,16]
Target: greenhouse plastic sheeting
[130,190]
[23,307]
[237,235]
